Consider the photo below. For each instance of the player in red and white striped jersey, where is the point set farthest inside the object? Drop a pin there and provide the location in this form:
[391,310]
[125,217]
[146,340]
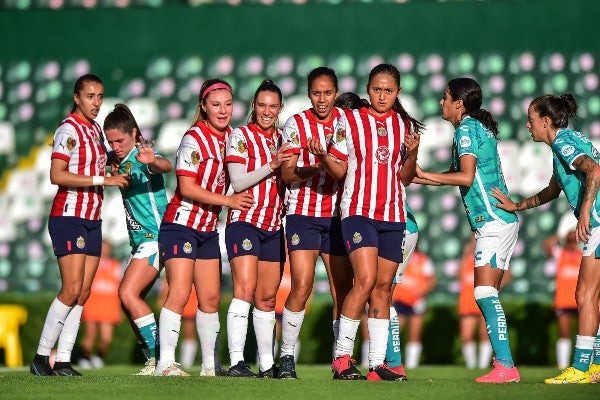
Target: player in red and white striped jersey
[78,164]
[189,242]
[375,148]
[313,226]
[254,237]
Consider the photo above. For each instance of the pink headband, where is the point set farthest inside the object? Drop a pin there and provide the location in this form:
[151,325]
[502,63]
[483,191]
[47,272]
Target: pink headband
[215,86]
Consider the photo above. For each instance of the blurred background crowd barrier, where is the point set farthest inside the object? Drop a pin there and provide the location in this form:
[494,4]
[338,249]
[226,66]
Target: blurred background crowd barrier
[154,55]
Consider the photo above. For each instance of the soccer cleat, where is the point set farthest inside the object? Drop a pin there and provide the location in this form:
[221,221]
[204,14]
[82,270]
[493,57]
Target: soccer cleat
[594,373]
[270,373]
[40,366]
[241,370]
[287,368]
[500,374]
[170,370]
[399,370]
[569,375]
[65,369]
[218,370]
[384,373]
[343,369]
[149,368]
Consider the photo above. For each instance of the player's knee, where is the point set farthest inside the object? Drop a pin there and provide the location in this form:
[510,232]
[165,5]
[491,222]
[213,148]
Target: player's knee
[481,292]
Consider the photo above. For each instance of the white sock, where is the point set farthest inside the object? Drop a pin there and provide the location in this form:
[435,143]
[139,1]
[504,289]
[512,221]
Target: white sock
[169,324]
[563,352]
[290,330]
[55,320]
[469,353]
[237,327]
[189,348]
[208,327]
[378,339]
[336,331]
[413,354]
[275,347]
[264,325]
[364,354]
[485,354]
[68,335]
[346,336]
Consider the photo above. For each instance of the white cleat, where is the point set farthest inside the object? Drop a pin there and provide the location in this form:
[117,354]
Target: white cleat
[170,370]
[149,368]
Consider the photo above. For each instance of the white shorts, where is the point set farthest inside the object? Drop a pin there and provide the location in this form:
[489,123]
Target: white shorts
[410,242]
[147,250]
[591,246]
[495,243]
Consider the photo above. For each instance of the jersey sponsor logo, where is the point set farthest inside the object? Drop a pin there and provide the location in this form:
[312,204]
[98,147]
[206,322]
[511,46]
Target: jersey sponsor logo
[295,239]
[71,143]
[382,155]
[465,141]
[195,156]
[241,146]
[187,247]
[246,244]
[357,237]
[567,150]
[80,243]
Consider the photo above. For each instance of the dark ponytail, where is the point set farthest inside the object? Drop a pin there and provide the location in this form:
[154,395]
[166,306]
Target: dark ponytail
[469,91]
[559,109]
[121,118]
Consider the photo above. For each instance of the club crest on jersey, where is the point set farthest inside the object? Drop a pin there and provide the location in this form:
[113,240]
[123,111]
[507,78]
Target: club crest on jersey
[295,138]
[71,143]
[128,167]
[246,244]
[357,238]
[340,135]
[80,243]
[187,248]
[241,147]
[295,239]
[567,150]
[465,141]
[221,179]
[328,137]
[222,152]
[381,131]
[272,149]
[195,156]
[97,140]
[382,155]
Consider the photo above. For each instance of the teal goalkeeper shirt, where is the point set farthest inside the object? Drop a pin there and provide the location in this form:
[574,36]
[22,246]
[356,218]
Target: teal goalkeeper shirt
[145,200]
[567,146]
[471,137]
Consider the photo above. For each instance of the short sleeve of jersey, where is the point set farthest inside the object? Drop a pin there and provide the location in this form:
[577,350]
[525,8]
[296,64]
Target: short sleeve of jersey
[339,144]
[188,156]
[291,136]
[65,141]
[568,148]
[237,147]
[466,140]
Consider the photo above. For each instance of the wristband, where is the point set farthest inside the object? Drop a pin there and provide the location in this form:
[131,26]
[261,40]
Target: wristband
[97,180]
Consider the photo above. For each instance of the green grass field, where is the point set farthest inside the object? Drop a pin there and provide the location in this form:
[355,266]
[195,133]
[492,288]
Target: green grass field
[315,383]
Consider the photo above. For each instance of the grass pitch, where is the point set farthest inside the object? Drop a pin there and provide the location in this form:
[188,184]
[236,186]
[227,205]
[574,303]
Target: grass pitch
[315,383]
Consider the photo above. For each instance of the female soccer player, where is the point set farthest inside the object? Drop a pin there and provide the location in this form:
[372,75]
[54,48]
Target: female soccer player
[145,201]
[189,241]
[75,227]
[476,170]
[313,225]
[576,172]
[254,236]
[375,148]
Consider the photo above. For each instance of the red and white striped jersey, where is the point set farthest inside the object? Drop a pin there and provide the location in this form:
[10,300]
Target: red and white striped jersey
[374,149]
[200,156]
[81,145]
[253,147]
[317,196]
